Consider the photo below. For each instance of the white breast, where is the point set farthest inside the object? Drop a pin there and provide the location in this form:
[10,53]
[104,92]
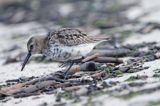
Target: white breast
[64,53]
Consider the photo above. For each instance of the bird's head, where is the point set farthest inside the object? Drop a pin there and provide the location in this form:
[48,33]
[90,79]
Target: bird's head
[35,45]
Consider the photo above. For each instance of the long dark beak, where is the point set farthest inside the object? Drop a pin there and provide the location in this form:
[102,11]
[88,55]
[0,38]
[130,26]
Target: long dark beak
[26,60]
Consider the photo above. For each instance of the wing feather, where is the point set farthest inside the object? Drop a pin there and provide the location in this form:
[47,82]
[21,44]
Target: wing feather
[70,37]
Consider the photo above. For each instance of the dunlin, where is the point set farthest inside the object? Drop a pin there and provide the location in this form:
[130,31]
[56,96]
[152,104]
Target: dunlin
[62,45]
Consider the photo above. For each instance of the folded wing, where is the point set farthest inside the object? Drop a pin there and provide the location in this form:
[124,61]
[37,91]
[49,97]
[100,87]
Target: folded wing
[71,37]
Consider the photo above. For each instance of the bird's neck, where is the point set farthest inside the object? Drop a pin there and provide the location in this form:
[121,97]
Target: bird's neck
[42,43]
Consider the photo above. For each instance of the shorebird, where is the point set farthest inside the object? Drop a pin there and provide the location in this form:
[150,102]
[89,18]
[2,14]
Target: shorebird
[63,45]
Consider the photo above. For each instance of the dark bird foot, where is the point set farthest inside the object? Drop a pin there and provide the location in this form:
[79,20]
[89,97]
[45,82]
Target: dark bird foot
[67,70]
[71,63]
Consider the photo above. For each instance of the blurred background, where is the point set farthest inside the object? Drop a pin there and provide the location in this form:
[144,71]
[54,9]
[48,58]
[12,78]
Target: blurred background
[126,21]
[68,13]
[50,14]
[21,19]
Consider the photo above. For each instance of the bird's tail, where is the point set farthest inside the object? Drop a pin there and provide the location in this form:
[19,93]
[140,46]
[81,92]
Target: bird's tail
[101,38]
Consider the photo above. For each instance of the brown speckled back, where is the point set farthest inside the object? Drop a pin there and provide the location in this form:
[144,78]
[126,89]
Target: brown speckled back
[69,37]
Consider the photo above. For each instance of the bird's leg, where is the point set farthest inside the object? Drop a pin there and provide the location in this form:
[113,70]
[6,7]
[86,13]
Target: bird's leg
[78,60]
[67,70]
[64,64]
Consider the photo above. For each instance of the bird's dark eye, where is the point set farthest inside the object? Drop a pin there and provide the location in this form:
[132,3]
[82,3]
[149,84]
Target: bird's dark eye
[31,47]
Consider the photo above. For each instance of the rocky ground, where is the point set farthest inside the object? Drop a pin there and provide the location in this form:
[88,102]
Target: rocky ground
[137,22]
